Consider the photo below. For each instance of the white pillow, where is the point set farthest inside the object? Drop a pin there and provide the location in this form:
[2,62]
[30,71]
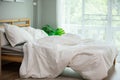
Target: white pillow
[36,33]
[16,35]
[3,38]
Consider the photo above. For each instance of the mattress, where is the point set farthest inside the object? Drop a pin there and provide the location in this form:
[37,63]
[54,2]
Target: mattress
[18,50]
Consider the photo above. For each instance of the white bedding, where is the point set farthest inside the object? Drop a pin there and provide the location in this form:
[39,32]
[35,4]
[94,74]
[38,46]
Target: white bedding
[47,57]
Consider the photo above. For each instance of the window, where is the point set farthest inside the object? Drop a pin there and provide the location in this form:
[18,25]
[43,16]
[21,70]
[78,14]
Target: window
[94,19]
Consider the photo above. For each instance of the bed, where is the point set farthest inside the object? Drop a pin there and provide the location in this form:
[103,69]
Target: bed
[7,52]
[47,56]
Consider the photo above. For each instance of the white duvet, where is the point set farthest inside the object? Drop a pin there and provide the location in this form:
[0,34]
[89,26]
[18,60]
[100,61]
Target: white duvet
[47,57]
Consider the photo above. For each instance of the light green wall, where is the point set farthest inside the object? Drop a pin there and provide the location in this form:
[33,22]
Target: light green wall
[37,13]
[48,12]
[43,13]
[12,10]
[39,9]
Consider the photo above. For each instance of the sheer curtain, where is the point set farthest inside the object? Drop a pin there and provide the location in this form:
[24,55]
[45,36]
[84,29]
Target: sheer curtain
[92,19]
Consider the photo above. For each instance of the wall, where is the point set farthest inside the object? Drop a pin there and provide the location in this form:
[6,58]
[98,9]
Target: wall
[43,13]
[48,12]
[12,10]
[37,13]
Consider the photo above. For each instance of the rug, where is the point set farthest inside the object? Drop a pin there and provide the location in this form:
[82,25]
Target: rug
[68,74]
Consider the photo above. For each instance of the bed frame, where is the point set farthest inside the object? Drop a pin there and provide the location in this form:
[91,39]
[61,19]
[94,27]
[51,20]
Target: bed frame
[24,22]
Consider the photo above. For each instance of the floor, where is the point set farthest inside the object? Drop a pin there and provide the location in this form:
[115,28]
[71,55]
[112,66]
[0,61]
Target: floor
[10,72]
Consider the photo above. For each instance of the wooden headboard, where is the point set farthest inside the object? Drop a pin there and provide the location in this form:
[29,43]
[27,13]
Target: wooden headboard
[24,22]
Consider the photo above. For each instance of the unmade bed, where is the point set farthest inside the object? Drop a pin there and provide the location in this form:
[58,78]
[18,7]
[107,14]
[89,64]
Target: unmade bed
[47,56]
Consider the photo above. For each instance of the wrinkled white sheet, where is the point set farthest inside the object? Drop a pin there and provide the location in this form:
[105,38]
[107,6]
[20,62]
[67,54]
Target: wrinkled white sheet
[47,57]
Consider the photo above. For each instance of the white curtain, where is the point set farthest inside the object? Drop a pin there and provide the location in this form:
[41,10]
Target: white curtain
[93,19]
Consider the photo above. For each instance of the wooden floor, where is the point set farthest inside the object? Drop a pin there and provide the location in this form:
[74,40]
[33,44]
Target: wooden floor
[11,72]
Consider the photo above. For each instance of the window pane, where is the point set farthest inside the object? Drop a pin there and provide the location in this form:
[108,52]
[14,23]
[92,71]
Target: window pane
[95,23]
[115,23]
[117,38]
[95,34]
[96,13]
[73,11]
[96,7]
[116,13]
